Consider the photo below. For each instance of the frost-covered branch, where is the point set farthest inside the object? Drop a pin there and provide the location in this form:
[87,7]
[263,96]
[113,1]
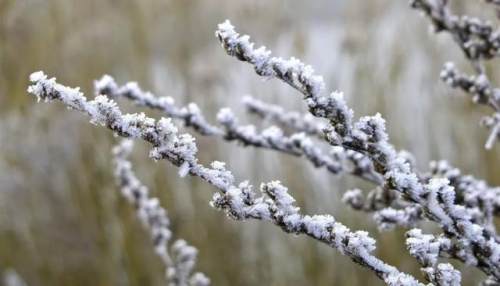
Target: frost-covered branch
[190,115]
[478,86]
[482,93]
[272,203]
[297,144]
[368,136]
[428,248]
[179,258]
[479,41]
[481,201]
[361,165]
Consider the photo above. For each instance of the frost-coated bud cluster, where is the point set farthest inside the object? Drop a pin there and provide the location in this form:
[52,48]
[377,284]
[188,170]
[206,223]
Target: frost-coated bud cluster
[481,200]
[427,249]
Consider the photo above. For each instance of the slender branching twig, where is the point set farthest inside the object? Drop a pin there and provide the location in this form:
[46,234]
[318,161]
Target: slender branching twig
[179,258]
[368,136]
[272,203]
[479,41]
[274,138]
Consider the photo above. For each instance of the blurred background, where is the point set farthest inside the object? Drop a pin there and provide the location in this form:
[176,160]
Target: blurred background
[63,221]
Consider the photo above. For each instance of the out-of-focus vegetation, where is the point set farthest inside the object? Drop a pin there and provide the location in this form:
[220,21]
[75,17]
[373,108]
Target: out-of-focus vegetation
[62,220]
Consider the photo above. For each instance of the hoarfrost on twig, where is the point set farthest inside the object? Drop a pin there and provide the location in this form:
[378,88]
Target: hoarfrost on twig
[297,144]
[179,258]
[273,203]
[479,41]
[368,136]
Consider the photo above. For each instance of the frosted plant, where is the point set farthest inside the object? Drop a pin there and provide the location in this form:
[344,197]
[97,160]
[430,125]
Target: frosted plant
[427,249]
[272,203]
[482,200]
[368,136]
[179,258]
[298,143]
[462,206]
[479,41]
[483,93]
[190,115]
